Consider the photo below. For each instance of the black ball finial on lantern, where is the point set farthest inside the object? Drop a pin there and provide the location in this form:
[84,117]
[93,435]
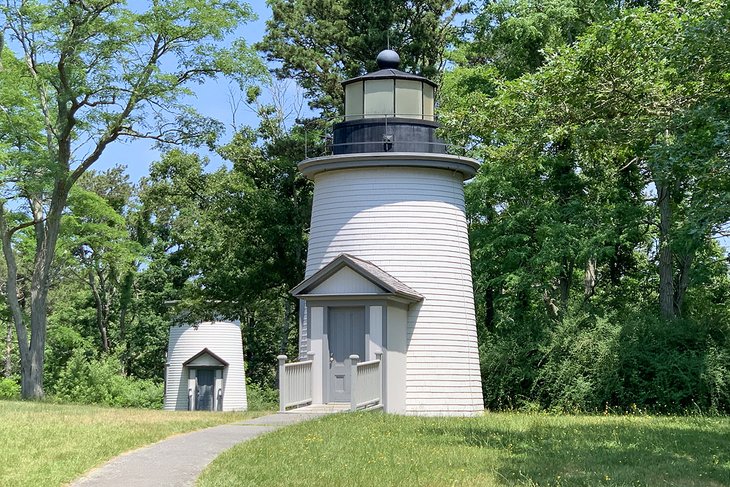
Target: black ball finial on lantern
[388,59]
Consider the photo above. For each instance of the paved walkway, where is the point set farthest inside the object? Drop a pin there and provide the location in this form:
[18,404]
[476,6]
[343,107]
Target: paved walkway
[178,461]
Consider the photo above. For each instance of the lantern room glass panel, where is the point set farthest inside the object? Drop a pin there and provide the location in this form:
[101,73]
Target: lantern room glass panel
[427,102]
[354,107]
[379,96]
[408,99]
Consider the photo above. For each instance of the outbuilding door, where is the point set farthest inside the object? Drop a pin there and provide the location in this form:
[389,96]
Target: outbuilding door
[345,336]
[206,384]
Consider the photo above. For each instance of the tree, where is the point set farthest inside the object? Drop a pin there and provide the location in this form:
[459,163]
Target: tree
[240,234]
[93,73]
[593,217]
[517,36]
[321,43]
[95,240]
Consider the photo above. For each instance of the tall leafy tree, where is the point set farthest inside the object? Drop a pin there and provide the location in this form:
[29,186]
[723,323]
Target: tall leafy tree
[591,216]
[99,252]
[239,233]
[95,72]
[319,43]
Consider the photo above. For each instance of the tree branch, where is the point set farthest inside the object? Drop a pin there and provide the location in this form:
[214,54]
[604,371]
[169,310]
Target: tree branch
[27,224]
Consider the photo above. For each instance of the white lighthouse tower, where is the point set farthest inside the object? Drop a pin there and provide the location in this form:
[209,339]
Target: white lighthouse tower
[388,280]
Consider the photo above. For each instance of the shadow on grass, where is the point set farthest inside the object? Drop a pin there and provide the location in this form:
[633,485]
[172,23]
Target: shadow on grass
[608,451]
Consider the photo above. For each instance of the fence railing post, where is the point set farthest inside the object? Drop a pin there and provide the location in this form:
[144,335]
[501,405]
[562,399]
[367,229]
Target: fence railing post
[379,358]
[282,383]
[310,392]
[353,382]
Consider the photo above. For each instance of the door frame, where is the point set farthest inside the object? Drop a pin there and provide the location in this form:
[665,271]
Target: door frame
[193,369]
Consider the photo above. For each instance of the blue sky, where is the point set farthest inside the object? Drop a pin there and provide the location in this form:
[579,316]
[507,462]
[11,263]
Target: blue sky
[211,99]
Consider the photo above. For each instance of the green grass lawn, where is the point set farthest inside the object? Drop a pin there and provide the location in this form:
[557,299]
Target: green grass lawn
[44,444]
[370,449]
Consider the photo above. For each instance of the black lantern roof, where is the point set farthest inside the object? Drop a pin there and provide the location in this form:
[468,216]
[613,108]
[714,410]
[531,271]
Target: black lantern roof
[388,62]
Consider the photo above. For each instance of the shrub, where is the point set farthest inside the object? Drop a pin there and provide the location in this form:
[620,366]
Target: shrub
[9,389]
[579,366]
[675,367]
[62,342]
[627,361]
[99,381]
[261,398]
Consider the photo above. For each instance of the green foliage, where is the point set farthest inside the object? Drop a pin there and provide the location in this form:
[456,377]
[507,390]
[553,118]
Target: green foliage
[85,76]
[518,36]
[64,341]
[675,368]
[99,381]
[320,43]
[594,217]
[261,398]
[589,363]
[9,388]
[262,205]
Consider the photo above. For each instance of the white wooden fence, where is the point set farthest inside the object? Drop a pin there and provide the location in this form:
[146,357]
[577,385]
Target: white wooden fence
[295,383]
[366,386]
[366,389]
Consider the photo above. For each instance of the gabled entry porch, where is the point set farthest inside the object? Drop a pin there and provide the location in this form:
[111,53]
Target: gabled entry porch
[205,381]
[356,325]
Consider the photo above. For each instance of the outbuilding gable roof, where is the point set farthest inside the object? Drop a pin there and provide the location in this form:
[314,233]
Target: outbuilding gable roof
[366,269]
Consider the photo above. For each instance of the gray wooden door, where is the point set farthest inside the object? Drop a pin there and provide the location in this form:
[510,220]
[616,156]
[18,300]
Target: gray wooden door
[345,336]
[206,382]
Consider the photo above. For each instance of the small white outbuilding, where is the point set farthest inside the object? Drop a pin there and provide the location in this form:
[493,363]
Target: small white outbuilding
[204,370]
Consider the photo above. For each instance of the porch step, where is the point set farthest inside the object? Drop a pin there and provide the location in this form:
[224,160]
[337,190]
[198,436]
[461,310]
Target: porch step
[333,407]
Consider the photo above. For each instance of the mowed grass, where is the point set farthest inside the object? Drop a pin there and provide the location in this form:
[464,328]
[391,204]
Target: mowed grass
[504,449]
[43,444]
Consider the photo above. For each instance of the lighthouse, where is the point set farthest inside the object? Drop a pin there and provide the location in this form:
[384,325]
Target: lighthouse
[387,308]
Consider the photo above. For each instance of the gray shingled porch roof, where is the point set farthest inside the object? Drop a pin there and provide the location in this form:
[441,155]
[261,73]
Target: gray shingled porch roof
[366,269]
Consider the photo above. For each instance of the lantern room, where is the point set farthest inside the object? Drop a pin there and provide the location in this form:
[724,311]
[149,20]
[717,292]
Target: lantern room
[389,93]
[388,111]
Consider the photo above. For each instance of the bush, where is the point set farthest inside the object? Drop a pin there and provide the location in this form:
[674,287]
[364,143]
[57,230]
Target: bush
[9,389]
[580,367]
[92,381]
[678,367]
[627,362]
[62,342]
[261,398]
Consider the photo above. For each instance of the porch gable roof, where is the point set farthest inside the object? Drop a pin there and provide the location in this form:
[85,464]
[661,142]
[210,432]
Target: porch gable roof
[203,352]
[389,284]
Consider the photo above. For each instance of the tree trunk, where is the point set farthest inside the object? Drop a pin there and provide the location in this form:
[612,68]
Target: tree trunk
[666,273]
[8,369]
[46,238]
[550,306]
[12,291]
[566,279]
[125,298]
[32,383]
[100,322]
[589,282]
[683,281]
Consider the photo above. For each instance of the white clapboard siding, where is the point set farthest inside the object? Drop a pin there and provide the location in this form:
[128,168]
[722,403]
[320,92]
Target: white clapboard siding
[221,338]
[410,222]
[346,281]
